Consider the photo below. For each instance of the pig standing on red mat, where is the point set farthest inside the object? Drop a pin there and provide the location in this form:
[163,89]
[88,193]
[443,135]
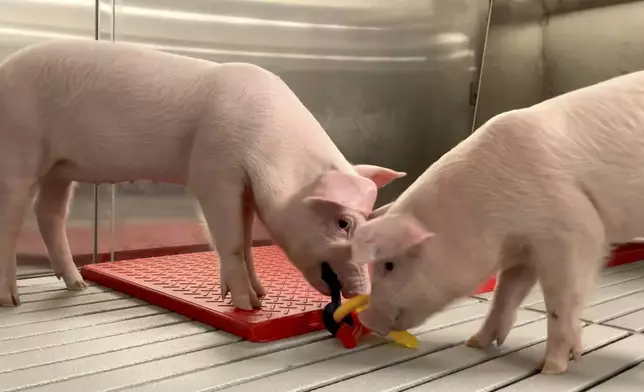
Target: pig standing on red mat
[536,194]
[234,133]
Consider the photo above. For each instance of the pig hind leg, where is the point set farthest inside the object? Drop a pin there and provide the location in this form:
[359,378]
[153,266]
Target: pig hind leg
[51,208]
[567,267]
[514,283]
[15,194]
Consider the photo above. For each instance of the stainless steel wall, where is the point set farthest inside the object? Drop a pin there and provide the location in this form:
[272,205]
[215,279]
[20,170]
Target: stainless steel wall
[22,23]
[539,49]
[389,82]
[393,83]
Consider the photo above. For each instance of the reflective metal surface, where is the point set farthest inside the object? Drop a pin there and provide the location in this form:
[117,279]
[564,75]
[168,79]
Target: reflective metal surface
[393,83]
[390,81]
[540,49]
[23,23]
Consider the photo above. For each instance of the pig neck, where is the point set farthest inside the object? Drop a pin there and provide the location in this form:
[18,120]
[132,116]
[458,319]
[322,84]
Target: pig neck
[462,241]
[279,187]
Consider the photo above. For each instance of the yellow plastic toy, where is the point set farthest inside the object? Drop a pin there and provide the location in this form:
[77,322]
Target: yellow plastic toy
[360,303]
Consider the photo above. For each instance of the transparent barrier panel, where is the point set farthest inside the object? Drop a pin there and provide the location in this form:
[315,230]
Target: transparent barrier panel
[389,82]
[22,23]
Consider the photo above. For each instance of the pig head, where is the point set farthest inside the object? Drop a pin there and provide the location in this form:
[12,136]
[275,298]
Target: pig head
[318,222]
[409,280]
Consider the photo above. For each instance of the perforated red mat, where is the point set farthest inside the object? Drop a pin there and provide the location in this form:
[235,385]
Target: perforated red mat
[189,285]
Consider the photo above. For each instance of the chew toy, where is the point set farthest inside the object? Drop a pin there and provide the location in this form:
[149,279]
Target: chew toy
[342,319]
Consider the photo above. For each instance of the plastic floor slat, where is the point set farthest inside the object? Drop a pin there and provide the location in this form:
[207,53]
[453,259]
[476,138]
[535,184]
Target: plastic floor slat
[633,321]
[427,367]
[65,337]
[67,342]
[606,293]
[308,358]
[21,379]
[100,346]
[60,303]
[59,294]
[62,313]
[601,363]
[613,309]
[607,277]
[107,316]
[514,367]
[358,363]
[629,381]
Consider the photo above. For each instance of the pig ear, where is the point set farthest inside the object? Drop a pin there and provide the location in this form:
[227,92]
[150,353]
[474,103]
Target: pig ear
[380,211]
[334,191]
[387,238]
[380,175]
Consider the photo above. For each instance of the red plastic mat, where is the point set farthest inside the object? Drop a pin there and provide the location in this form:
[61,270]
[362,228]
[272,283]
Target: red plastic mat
[188,284]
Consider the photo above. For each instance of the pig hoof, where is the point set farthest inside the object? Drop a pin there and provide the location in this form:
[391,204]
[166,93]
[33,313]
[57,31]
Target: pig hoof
[257,304]
[73,280]
[243,304]
[476,342]
[78,285]
[575,353]
[9,297]
[245,301]
[259,289]
[554,367]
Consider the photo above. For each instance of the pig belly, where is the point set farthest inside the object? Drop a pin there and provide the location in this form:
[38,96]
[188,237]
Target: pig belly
[121,163]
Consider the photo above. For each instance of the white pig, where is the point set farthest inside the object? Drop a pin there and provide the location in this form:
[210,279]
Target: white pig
[536,194]
[234,133]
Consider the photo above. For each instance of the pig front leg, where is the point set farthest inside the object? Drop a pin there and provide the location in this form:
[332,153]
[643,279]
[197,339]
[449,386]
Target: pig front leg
[249,217]
[51,208]
[513,285]
[223,208]
[566,272]
[14,198]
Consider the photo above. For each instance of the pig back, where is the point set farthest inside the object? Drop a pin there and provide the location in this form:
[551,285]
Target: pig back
[111,112]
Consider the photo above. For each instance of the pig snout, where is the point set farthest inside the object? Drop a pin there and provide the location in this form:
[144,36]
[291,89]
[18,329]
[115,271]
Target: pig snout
[377,321]
[406,319]
[354,279]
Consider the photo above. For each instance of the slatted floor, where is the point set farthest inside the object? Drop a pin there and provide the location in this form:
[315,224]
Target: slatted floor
[101,340]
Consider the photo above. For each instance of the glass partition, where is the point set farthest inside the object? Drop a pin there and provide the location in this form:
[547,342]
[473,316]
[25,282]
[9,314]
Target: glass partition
[391,82]
[22,23]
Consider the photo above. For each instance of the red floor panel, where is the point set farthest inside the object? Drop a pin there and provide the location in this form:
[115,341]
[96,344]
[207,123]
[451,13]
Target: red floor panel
[189,285]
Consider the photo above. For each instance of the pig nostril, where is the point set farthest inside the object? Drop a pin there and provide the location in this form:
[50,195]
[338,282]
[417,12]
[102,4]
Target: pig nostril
[398,317]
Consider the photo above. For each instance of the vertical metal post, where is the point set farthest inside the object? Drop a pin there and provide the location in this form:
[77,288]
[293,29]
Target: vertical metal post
[97,11]
[482,66]
[113,186]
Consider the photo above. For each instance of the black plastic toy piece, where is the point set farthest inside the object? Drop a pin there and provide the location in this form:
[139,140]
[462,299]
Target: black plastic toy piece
[335,287]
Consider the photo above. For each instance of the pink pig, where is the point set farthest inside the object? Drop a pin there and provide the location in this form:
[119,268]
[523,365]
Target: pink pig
[536,194]
[234,133]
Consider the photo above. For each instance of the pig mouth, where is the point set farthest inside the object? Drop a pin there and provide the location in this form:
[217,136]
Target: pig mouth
[375,321]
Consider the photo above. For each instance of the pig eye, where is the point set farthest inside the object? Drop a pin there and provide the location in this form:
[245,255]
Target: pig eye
[344,224]
[389,266]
